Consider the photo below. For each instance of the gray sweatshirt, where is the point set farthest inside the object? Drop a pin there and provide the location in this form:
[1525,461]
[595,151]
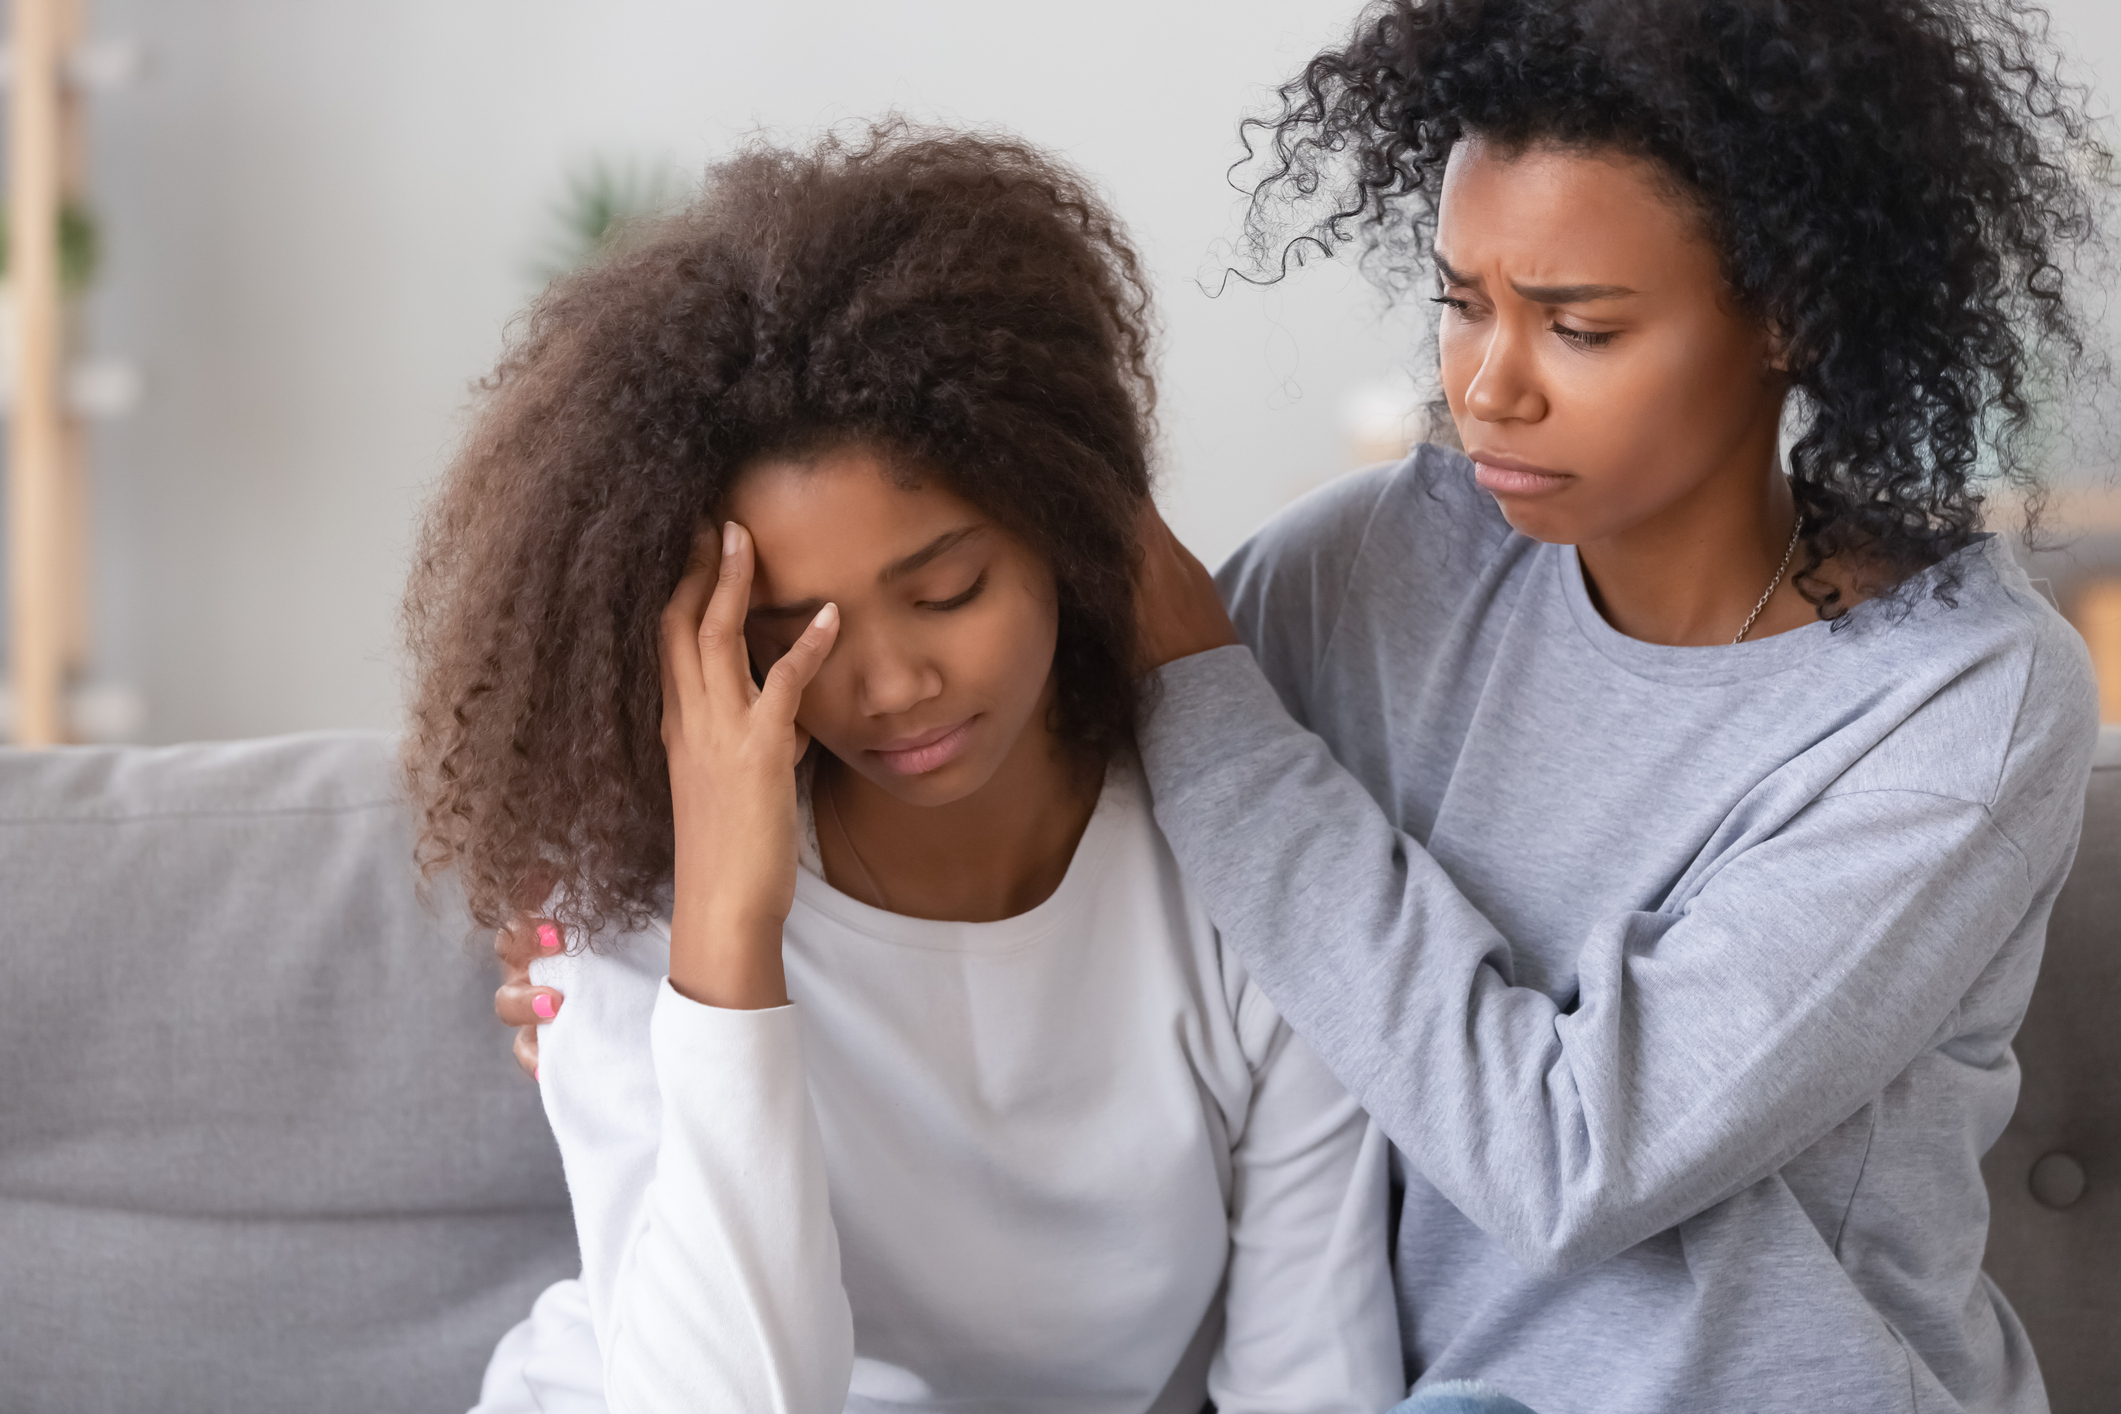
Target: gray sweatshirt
[1683,979]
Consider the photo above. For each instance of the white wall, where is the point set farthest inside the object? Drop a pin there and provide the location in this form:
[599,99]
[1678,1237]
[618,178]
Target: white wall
[320,215]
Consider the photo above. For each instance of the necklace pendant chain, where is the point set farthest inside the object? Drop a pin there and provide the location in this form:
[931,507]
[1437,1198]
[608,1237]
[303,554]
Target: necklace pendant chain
[832,803]
[1796,533]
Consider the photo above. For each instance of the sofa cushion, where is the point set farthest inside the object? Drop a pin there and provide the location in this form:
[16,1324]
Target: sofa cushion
[263,1148]
[2054,1179]
[262,1145]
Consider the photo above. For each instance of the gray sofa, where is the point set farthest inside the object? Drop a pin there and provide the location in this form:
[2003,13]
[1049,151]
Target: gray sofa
[262,1147]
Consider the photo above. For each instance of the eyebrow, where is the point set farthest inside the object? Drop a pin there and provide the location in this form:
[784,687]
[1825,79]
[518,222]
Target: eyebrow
[898,569]
[1537,294]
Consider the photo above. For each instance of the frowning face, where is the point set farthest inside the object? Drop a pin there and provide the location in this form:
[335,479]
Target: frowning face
[943,667]
[1599,372]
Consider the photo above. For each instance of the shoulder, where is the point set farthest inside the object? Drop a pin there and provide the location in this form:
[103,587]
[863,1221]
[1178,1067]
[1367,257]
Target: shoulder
[1428,499]
[1209,976]
[2004,708]
[1407,542]
[610,981]
[1142,876]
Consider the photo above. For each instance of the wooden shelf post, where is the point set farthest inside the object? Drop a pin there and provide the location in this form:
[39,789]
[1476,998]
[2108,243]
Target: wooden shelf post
[43,553]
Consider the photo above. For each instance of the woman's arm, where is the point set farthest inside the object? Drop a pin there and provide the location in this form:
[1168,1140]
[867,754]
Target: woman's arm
[697,1178]
[680,1101]
[1706,1047]
[1310,1323]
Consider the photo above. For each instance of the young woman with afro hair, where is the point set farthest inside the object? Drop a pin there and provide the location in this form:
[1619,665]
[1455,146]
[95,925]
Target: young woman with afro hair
[775,634]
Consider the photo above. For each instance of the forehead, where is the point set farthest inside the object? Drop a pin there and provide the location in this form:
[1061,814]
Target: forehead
[1550,215]
[839,514]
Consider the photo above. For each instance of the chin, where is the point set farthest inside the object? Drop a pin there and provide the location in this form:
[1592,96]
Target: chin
[945,785]
[1540,522]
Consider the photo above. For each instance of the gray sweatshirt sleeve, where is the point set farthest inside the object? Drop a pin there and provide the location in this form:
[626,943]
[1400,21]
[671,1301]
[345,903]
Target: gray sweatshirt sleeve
[1707,1046]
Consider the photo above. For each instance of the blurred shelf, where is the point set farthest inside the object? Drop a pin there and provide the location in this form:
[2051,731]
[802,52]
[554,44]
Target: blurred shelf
[98,66]
[104,389]
[97,713]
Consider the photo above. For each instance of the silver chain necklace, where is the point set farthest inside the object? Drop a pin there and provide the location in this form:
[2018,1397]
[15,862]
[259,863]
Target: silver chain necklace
[1772,585]
[832,804]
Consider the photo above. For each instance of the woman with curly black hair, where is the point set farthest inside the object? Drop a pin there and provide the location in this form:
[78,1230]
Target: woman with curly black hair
[1654,827]
[778,612]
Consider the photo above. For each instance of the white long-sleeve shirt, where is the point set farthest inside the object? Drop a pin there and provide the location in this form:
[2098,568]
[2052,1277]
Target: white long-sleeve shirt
[1069,1161]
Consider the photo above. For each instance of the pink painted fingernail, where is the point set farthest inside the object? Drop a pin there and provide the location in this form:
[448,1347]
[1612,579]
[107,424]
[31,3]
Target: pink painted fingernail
[537,1072]
[548,936]
[542,1005]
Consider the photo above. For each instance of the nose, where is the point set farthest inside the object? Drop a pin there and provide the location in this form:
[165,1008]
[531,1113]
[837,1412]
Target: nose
[1506,387]
[892,678]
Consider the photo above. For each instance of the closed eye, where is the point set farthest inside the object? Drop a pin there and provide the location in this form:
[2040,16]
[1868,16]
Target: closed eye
[1584,338]
[956,601]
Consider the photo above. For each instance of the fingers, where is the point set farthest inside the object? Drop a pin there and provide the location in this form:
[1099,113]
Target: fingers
[516,1002]
[526,1049]
[725,667]
[681,616]
[785,684]
[520,1004]
[525,938]
[1177,610]
[1160,543]
[1149,526]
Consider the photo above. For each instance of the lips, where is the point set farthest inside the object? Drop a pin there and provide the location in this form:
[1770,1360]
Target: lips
[1510,476]
[917,755]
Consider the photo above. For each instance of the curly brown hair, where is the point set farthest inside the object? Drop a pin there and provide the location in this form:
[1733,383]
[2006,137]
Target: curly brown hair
[961,302]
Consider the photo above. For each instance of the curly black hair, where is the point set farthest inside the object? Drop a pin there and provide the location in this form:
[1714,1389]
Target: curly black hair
[961,303]
[1896,187]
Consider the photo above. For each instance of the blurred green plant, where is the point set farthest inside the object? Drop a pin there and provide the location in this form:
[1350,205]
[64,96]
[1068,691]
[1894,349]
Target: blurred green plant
[80,247]
[602,196]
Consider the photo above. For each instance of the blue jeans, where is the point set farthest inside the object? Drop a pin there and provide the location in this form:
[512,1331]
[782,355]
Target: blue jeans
[1460,1397]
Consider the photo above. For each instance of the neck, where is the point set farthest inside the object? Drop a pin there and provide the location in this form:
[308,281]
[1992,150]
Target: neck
[999,852]
[1689,575]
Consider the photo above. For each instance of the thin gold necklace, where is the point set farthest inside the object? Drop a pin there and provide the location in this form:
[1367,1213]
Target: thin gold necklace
[1772,585]
[832,804]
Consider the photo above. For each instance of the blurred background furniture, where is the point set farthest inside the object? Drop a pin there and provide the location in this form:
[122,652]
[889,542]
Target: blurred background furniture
[2054,1178]
[45,500]
[263,1147]
[48,260]
[316,220]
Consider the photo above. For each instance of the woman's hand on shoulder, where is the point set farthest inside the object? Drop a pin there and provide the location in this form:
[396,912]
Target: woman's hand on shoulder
[732,746]
[1177,612]
[516,1001]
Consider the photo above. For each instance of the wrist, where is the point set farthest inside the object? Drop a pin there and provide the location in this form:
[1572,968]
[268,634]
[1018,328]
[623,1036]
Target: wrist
[1193,645]
[729,959]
